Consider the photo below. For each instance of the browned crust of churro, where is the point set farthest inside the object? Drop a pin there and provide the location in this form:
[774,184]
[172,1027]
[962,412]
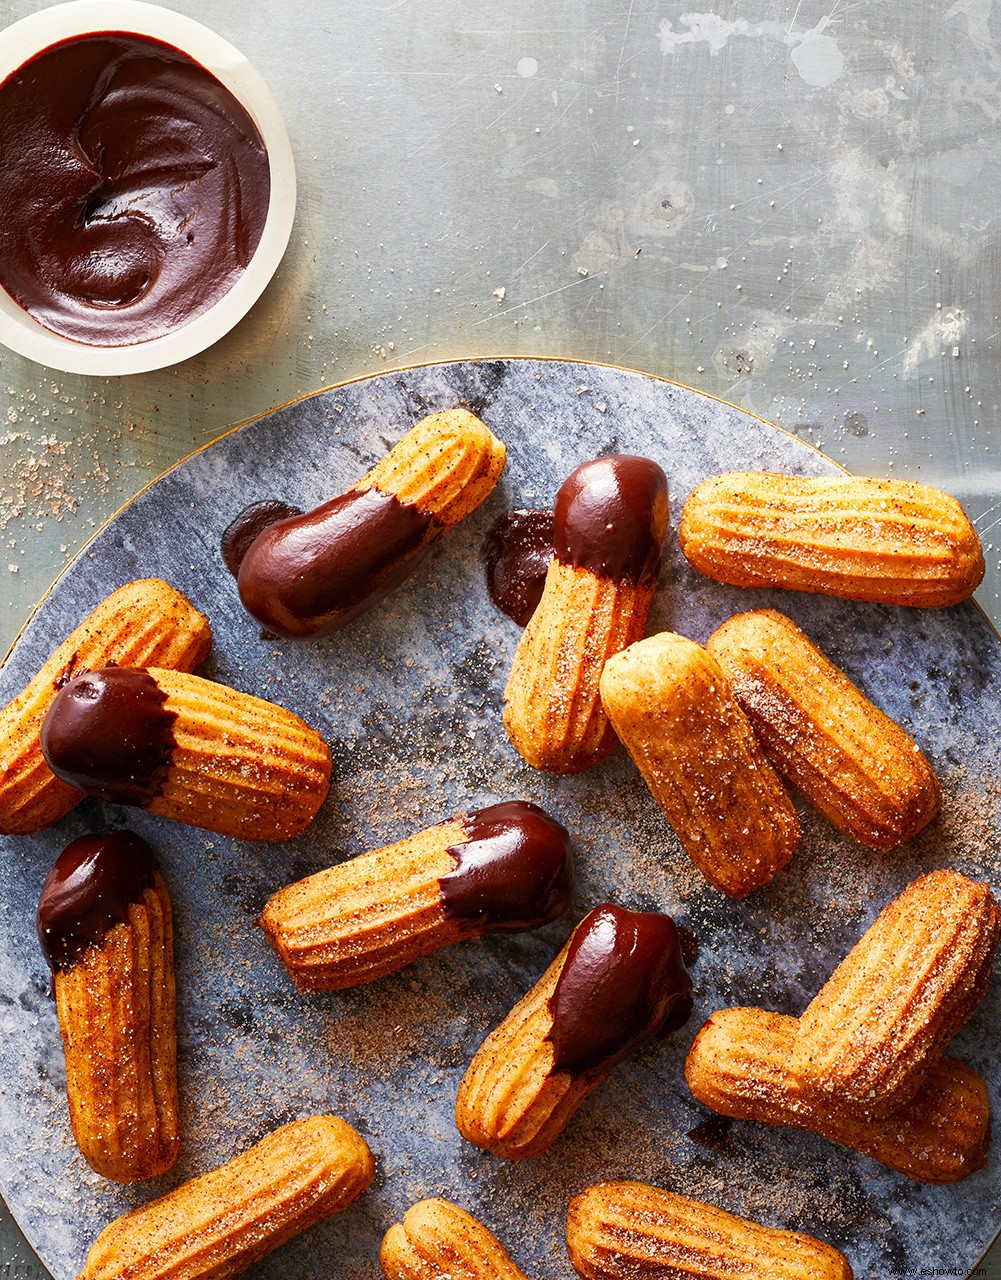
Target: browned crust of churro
[671,705]
[509,1101]
[894,541]
[623,1230]
[222,1222]
[552,705]
[739,1066]
[445,466]
[366,917]
[439,1241]
[117,1017]
[240,766]
[146,622]
[852,762]
[899,996]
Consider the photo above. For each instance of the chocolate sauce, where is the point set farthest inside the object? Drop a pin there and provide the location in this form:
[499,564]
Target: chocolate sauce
[611,517]
[67,673]
[690,948]
[623,981]
[89,890]
[513,871]
[319,571]
[518,553]
[108,733]
[248,525]
[134,188]
[713,1133]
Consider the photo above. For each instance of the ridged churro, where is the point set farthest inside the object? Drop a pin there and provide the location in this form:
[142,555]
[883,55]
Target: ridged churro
[104,922]
[618,981]
[143,623]
[626,1230]
[852,762]
[739,1066]
[608,526]
[220,1223]
[894,541]
[439,1241]
[307,574]
[188,749]
[899,996]
[672,707]
[505,867]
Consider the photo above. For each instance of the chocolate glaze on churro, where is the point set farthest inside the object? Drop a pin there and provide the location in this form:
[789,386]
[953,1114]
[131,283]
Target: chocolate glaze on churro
[249,525]
[513,871]
[611,517]
[623,981]
[88,891]
[317,572]
[108,733]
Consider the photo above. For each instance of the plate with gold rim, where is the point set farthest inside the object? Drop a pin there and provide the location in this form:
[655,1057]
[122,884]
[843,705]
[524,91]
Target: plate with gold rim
[409,697]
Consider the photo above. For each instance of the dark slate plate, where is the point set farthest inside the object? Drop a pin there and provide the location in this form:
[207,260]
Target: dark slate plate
[409,698]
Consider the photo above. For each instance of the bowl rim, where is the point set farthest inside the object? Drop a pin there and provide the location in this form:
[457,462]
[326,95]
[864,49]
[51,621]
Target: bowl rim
[25,335]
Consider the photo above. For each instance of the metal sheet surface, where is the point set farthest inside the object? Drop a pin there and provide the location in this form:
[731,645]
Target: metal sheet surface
[409,698]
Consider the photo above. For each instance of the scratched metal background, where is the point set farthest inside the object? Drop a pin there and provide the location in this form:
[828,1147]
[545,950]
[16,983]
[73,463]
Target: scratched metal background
[812,188]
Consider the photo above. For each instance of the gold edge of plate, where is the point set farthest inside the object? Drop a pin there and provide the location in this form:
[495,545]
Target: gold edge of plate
[406,368]
[430,364]
[997,1236]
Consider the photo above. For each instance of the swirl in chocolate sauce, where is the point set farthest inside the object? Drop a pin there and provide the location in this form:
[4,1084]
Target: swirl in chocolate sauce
[513,870]
[518,553]
[134,188]
[317,572]
[610,517]
[623,981]
[89,890]
[109,734]
[248,525]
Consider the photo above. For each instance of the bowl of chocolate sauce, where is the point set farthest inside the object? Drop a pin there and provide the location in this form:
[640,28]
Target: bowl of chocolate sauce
[147,187]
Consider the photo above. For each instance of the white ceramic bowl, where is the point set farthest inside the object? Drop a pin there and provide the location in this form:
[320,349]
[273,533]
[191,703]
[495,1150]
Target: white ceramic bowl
[20,331]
